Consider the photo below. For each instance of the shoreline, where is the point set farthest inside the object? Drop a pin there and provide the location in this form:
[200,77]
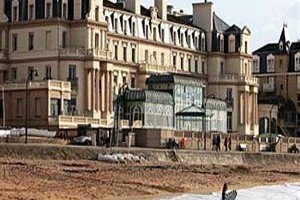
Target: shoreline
[199,192]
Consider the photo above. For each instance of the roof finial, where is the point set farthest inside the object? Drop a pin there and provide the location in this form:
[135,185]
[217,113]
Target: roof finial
[285,25]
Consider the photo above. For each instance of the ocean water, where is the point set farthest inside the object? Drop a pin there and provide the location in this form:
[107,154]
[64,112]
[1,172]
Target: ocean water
[276,192]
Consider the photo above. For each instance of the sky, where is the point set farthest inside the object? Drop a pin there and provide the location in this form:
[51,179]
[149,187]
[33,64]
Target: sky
[265,18]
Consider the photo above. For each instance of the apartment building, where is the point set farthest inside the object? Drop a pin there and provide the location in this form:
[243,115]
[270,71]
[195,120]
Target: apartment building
[84,51]
[277,67]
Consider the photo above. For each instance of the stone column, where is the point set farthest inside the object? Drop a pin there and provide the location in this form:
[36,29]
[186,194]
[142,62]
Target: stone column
[106,92]
[97,91]
[93,89]
[110,91]
[102,105]
[88,89]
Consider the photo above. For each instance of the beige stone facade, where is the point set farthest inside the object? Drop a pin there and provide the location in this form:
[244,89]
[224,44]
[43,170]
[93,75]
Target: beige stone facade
[98,46]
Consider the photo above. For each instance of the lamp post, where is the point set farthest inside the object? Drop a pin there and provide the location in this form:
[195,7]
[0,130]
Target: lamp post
[31,73]
[204,120]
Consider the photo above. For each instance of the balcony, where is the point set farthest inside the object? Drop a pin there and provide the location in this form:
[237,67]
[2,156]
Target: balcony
[73,121]
[269,87]
[233,78]
[49,85]
[82,52]
[145,67]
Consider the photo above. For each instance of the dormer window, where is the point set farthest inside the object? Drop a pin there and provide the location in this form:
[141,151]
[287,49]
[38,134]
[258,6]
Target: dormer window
[202,42]
[65,11]
[297,61]
[231,46]
[270,63]
[15,13]
[256,63]
[31,12]
[97,14]
[222,43]
[281,46]
[48,10]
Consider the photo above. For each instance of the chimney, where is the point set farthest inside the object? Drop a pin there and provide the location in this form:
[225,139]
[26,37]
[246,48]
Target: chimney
[203,18]
[162,8]
[134,6]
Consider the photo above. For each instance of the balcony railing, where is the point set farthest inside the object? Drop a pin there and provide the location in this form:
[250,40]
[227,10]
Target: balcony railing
[49,84]
[82,52]
[269,87]
[154,68]
[73,121]
[233,78]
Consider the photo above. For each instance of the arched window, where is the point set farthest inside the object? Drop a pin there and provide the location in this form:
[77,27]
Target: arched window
[270,63]
[202,42]
[297,61]
[231,45]
[222,43]
[136,114]
[15,11]
[256,63]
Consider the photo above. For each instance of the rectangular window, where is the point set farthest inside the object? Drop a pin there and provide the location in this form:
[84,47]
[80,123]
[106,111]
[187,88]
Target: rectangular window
[125,27]
[154,34]
[174,61]
[190,64]
[54,107]
[146,55]
[30,70]
[182,63]
[154,57]
[229,121]
[246,47]
[15,13]
[133,29]
[48,10]
[97,41]
[65,11]
[13,74]
[132,82]
[222,70]
[31,10]
[19,107]
[30,41]
[147,32]
[124,80]
[115,84]
[162,58]
[229,94]
[203,66]
[163,35]
[125,54]
[116,25]
[48,75]
[15,42]
[196,66]
[133,55]
[116,52]
[72,73]
[64,39]
[97,13]
[38,107]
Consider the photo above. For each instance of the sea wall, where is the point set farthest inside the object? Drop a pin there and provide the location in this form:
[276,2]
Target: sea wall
[61,152]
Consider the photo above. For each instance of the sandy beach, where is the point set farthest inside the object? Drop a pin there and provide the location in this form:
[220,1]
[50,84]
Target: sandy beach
[77,180]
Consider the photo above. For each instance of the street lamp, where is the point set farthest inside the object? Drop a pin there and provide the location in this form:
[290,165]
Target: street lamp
[204,120]
[31,73]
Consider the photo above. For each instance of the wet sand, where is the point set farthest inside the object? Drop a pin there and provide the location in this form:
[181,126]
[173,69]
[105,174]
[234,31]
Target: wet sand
[80,180]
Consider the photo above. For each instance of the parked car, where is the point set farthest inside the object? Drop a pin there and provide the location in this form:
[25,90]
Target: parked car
[82,140]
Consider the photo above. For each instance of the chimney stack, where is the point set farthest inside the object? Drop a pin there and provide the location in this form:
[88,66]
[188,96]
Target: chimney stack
[203,18]
[162,8]
[134,6]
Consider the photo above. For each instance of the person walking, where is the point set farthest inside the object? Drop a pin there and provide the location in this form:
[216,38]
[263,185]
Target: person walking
[229,143]
[214,143]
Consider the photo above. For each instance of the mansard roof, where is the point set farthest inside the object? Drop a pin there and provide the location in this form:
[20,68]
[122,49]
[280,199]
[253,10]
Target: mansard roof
[219,24]
[174,78]
[268,48]
[150,96]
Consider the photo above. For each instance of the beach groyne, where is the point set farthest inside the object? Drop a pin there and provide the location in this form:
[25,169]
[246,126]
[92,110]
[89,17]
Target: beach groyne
[63,152]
